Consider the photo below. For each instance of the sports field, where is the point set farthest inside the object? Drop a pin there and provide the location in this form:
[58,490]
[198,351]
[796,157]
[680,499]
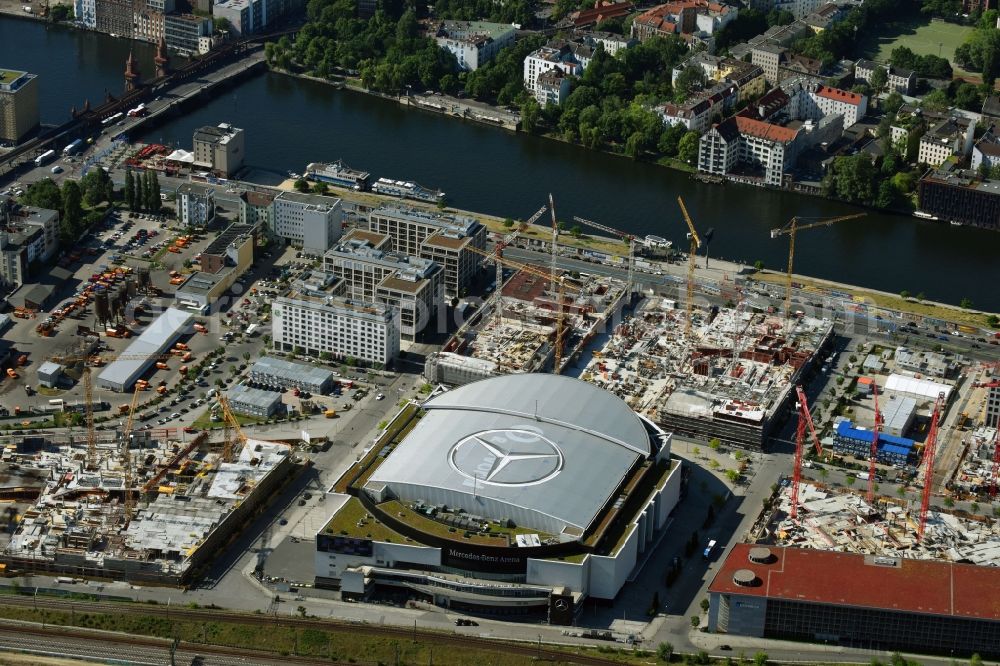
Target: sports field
[921,35]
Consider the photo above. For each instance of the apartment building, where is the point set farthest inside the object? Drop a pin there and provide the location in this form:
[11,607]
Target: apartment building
[44,220]
[551,87]
[335,325]
[749,78]
[571,58]
[700,111]
[454,249]
[986,152]
[219,149]
[18,104]
[740,140]
[799,8]
[684,18]
[85,12]
[148,21]
[820,100]
[195,204]
[312,221]
[613,44]
[951,136]
[184,32]
[474,43]
[257,207]
[903,81]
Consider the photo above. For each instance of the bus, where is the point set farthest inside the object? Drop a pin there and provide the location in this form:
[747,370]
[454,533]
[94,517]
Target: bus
[44,157]
[73,148]
[709,549]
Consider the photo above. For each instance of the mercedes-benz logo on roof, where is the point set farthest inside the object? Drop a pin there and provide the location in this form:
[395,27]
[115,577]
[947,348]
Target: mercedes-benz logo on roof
[508,457]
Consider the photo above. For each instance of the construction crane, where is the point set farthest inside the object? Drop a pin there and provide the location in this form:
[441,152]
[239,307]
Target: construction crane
[790,230]
[874,452]
[498,252]
[928,461]
[805,422]
[627,237]
[232,429]
[561,284]
[86,378]
[127,456]
[695,244]
[996,464]
[555,244]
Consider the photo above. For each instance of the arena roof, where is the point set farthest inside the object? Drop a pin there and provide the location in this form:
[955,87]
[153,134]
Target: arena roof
[866,581]
[546,451]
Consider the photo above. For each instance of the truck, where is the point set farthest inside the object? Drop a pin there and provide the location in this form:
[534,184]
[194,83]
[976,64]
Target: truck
[73,148]
[201,328]
[709,549]
[251,330]
[44,157]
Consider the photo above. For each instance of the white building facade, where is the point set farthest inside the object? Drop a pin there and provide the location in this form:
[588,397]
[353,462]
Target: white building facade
[335,325]
[195,205]
[312,221]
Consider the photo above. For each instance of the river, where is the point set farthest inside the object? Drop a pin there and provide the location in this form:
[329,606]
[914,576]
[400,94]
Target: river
[290,122]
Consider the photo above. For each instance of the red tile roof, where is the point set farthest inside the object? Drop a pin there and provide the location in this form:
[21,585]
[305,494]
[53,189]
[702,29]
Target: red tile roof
[848,579]
[839,95]
[762,130]
[602,13]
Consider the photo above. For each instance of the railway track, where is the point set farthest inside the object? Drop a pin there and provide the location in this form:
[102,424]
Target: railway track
[439,638]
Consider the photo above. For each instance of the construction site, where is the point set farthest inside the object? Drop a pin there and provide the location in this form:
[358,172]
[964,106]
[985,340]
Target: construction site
[131,506]
[729,377]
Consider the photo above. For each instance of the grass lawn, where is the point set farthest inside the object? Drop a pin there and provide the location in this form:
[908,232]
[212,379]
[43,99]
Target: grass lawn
[922,35]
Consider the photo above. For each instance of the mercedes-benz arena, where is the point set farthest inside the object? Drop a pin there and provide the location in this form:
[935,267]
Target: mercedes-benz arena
[522,494]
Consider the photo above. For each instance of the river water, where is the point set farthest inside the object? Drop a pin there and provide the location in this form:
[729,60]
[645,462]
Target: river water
[290,122]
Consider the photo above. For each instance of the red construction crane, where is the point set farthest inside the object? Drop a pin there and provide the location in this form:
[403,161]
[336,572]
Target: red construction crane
[925,502]
[874,453]
[805,421]
[996,463]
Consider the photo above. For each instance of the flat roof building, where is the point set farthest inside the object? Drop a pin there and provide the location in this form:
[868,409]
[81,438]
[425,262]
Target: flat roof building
[254,402]
[866,601]
[145,350]
[195,204]
[921,389]
[311,221]
[219,149]
[474,43]
[284,375]
[337,326]
[18,104]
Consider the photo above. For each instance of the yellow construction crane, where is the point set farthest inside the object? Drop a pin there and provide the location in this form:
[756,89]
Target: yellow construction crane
[86,378]
[625,236]
[695,244]
[232,428]
[561,286]
[790,230]
[127,457]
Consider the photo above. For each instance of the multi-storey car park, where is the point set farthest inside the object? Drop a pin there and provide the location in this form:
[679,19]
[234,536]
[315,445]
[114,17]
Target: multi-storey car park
[518,495]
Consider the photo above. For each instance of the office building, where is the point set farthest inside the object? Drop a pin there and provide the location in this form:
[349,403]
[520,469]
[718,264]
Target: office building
[29,239]
[993,407]
[184,32]
[116,17]
[255,402]
[454,236]
[310,221]
[245,17]
[871,602]
[219,149]
[335,325]
[474,43]
[222,263]
[283,375]
[960,196]
[195,205]
[18,105]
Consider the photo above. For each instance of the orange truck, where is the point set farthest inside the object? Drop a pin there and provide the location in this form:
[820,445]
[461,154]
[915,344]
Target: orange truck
[201,328]
[181,346]
[11,373]
[162,366]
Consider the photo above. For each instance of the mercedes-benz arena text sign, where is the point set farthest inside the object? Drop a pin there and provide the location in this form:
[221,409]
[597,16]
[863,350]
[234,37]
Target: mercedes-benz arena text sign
[518,456]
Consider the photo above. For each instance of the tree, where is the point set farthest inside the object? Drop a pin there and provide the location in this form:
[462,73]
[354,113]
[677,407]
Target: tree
[975,507]
[993,321]
[301,185]
[714,443]
[733,475]
[949,502]
[850,480]
[695,621]
[155,203]
[879,80]
[904,294]
[965,304]
[43,194]
[321,188]
[760,659]
[664,651]
[72,212]
[97,186]
[687,149]
[691,78]
[704,605]
[129,190]
[758,265]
